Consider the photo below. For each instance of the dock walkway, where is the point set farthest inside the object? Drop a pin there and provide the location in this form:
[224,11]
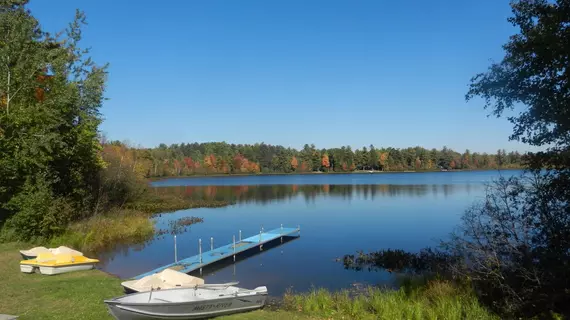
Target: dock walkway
[231,250]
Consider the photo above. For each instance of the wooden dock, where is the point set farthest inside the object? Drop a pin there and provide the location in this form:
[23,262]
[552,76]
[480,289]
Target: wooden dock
[231,250]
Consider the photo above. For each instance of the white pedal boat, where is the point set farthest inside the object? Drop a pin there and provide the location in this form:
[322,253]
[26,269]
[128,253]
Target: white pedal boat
[27,268]
[187,303]
[32,265]
[166,279]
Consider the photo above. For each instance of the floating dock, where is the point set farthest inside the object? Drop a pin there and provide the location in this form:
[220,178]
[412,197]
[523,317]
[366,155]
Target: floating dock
[231,250]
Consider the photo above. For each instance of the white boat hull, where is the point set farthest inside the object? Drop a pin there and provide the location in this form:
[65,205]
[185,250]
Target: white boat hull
[158,308]
[27,268]
[65,269]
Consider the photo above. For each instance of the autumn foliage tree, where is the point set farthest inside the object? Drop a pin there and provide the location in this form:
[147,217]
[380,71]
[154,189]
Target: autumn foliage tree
[237,163]
[294,163]
[418,164]
[325,161]
[383,160]
[210,163]
[228,158]
[177,167]
[189,165]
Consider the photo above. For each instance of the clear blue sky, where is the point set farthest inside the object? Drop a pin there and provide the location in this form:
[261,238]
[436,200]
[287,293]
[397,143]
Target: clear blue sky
[332,73]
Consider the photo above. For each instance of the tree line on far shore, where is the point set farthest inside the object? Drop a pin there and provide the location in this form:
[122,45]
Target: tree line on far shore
[223,158]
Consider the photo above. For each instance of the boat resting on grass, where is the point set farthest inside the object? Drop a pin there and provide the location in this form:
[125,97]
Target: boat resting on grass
[34,252]
[51,264]
[166,279]
[32,265]
[187,303]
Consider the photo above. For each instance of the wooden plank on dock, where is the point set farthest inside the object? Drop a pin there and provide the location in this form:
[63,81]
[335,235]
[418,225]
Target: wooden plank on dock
[231,250]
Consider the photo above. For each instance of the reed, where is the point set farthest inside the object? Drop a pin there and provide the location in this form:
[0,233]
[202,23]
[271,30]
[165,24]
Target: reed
[101,232]
[128,225]
[436,300]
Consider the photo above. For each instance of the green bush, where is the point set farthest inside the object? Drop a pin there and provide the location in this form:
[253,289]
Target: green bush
[39,214]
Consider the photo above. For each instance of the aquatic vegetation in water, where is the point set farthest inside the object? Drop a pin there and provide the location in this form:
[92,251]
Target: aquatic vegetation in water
[179,225]
[162,203]
[425,261]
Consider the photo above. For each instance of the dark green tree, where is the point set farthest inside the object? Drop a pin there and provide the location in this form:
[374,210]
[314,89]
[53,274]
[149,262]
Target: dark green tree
[365,158]
[50,94]
[373,158]
[534,73]
[530,231]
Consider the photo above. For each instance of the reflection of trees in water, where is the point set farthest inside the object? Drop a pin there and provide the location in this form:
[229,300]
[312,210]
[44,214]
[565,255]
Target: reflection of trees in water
[109,253]
[265,194]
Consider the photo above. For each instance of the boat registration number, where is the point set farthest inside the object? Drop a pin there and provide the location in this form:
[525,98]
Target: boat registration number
[212,306]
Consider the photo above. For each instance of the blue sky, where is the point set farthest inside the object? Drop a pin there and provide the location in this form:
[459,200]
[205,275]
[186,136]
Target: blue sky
[332,73]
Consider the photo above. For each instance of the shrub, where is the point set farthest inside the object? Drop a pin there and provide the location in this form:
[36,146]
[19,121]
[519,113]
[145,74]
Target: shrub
[38,214]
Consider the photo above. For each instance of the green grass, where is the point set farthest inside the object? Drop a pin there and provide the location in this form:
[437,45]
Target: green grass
[71,296]
[80,295]
[436,300]
[77,295]
[101,232]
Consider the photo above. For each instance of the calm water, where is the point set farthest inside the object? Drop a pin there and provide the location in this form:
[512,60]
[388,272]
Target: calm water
[338,215]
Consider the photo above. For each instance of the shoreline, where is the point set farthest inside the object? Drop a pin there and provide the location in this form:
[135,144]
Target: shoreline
[83,292]
[230,175]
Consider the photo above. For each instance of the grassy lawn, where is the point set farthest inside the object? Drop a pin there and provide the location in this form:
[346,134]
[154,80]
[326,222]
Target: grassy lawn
[76,295]
[80,295]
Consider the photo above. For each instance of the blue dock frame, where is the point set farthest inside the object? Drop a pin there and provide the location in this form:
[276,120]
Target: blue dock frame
[231,250]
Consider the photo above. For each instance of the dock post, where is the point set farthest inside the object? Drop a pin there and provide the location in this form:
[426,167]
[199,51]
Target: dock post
[235,247]
[261,245]
[200,251]
[240,236]
[212,243]
[175,250]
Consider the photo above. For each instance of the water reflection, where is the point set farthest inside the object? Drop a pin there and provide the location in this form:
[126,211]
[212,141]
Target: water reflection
[407,212]
[267,194]
[211,269]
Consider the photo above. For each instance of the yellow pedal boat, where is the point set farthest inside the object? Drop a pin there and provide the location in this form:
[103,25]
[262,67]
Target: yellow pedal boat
[51,264]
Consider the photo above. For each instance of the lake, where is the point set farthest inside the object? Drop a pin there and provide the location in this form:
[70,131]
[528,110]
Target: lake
[338,213]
